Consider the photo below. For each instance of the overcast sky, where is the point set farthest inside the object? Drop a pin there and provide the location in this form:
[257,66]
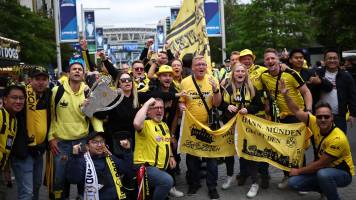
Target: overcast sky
[129,13]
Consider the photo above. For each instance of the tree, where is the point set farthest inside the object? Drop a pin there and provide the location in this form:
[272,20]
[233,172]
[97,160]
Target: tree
[335,22]
[35,33]
[268,23]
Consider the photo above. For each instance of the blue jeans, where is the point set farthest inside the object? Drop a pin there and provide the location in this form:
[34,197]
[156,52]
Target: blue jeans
[161,181]
[28,174]
[60,162]
[325,181]
[193,165]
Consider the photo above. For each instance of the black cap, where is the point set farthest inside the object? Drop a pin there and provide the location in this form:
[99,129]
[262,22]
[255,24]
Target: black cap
[121,135]
[93,134]
[39,71]
[227,60]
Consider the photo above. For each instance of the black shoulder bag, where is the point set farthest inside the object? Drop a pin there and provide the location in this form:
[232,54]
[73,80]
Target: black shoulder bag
[213,113]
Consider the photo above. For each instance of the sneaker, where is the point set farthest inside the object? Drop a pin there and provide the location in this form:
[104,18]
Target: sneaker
[175,193]
[227,184]
[241,179]
[302,193]
[213,194]
[284,183]
[253,190]
[192,190]
[265,182]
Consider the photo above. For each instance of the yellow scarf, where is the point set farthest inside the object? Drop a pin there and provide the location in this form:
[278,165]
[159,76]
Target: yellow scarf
[116,177]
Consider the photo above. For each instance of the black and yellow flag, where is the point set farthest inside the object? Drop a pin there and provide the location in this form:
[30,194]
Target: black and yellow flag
[188,33]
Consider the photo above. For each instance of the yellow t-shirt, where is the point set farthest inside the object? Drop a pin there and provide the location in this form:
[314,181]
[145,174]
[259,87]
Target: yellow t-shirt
[335,144]
[8,129]
[255,72]
[152,144]
[293,82]
[193,101]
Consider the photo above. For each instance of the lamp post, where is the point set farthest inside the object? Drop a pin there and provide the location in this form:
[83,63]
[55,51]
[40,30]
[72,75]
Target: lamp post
[58,45]
[223,36]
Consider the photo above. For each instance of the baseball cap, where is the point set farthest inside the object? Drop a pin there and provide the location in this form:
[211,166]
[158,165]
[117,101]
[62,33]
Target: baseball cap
[93,134]
[247,52]
[76,59]
[39,70]
[164,69]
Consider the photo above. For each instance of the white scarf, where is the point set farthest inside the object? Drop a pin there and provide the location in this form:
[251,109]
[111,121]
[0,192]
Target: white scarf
[91,189]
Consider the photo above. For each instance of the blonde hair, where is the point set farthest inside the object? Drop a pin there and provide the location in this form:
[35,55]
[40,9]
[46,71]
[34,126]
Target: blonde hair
[248,89]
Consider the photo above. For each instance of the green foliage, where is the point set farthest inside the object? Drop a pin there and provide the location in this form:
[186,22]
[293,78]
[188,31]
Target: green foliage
[35,33]
[335,22]
[267,23]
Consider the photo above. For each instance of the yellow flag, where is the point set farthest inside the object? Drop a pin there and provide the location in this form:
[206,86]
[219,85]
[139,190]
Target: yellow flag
[281,145]
[188,33]
[199,140]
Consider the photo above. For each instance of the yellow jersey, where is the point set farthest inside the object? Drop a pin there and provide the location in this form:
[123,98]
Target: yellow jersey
[334,144]
[152,144]
[193,101]
[255,72]
[293,82]
[8,129]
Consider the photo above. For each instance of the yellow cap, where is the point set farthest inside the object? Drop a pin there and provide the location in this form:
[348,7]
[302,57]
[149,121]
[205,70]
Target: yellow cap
[247,52]
[164,69]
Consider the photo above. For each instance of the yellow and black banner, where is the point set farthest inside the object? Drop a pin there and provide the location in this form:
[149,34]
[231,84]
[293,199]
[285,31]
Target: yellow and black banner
[199,140]
[253,138]
[188,33]
[281,145]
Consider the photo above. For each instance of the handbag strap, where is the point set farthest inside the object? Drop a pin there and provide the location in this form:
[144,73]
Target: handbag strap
[278,78]
[200,94]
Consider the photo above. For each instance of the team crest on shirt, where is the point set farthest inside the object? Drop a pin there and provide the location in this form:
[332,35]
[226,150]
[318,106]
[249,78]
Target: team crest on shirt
[9,141]
[63,103]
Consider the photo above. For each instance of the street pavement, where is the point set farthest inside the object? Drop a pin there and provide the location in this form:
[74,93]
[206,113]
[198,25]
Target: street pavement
[239,192]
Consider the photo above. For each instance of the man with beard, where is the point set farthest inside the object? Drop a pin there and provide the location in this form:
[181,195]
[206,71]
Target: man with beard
[298,90]
[152,147]
[333,166]
[31,143]
[163,87]
[192,102]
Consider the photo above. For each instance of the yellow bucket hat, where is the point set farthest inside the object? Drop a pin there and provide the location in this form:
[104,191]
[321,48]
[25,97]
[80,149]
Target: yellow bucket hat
[164,69]
[247,52]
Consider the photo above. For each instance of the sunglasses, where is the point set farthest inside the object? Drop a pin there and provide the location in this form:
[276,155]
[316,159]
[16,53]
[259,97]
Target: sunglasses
[139,69]
[126,80]
[323,116]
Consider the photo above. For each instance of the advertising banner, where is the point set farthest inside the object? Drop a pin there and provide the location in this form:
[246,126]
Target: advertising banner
[160,36]
[9,49]
[174,14]
[99,39]
[105,44]
[89,25]
[212,17]
[68,21]
[91,47]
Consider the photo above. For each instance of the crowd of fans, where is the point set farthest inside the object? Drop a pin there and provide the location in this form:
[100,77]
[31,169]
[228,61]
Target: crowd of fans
[130,151]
